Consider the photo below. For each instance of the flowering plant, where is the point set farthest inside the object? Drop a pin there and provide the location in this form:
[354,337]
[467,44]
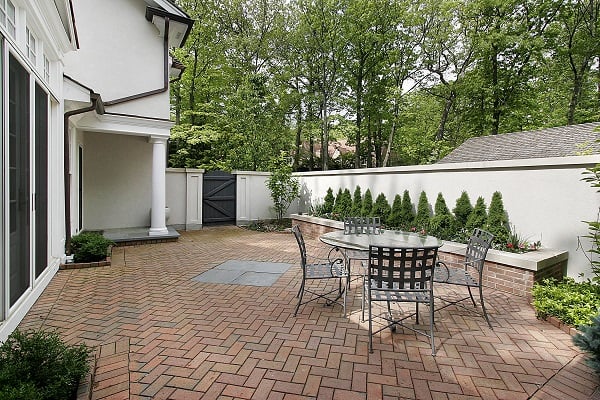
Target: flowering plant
[517,244]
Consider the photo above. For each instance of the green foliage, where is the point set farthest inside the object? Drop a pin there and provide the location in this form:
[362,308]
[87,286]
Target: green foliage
[423,216]
[394,218]
[89,247]
[381,208]
[407,214]
[497,221]
[592,175]
[367,204]
[38,365]
[338,205]
[478,217]
[283,186]
[589,341]
[517,243]
[574,303]
[328,201]
[356,202]
[442,224]
[462,210]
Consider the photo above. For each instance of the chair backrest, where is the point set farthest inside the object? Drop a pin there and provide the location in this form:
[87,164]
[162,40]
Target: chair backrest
[301,245]
[477,248]
[401,269]
[362,225]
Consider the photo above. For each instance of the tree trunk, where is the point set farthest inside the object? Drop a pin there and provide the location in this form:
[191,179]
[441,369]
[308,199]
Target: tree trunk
[359,93]
[439,135]
[298,136]
[193,87]
[496,103]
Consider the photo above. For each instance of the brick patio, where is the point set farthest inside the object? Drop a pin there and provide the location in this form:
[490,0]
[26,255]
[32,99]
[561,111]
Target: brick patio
[159,334]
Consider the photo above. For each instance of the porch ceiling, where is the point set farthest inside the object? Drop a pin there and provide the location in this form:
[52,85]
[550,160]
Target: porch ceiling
[125,125]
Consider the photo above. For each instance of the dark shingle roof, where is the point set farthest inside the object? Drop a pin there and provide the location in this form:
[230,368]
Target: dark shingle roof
[563,141]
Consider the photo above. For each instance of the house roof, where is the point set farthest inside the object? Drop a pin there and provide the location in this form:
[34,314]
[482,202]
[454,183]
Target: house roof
[562,141]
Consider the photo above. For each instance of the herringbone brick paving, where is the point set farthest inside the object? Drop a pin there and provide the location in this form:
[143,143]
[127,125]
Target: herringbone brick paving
[161,335]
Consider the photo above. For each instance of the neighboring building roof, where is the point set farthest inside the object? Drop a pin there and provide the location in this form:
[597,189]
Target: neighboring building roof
[562,141]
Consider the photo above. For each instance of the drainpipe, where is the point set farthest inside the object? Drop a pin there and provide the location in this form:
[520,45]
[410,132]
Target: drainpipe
[96,105]
[165,74]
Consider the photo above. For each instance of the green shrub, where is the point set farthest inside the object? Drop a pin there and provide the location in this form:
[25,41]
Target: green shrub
[89,247]
[421,222]
[592,175]
[328,202]
[574,303]
[284,187]
[394,217]
[443,223]
[462,210]
[39,365]
[478,217]
[407,215]
[497,221]
[338,204]
[589,341]
[367,204]
[356,203]
[381,208]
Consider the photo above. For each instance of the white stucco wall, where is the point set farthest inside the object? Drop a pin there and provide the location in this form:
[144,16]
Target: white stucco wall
[117,182]
[184,197]
[120,54]
[545,198]
[253,197]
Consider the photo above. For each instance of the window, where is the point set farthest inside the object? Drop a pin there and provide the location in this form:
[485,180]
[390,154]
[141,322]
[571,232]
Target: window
[7,16]
[31,46]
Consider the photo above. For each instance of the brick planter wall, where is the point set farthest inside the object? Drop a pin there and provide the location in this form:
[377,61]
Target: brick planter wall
[516,278]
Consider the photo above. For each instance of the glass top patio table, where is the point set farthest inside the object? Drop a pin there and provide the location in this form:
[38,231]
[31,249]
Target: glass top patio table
[387,238]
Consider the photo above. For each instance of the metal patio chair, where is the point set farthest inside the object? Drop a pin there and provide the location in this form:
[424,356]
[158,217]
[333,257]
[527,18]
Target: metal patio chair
[360,226]
[318,269]
[467,273]
[399,275]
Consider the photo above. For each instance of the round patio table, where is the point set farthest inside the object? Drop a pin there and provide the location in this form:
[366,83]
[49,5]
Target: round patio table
[386,238]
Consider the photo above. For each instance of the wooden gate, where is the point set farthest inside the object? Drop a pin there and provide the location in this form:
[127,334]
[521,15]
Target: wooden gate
[218,198]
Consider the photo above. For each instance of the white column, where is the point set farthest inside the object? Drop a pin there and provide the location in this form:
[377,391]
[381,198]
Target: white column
[159,165]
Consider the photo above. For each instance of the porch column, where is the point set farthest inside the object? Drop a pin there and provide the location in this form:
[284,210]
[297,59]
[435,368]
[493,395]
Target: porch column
[159,165]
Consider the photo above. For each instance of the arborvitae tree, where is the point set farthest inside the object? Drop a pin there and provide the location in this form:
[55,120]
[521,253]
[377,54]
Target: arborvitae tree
[497,221]
[407,214]
[393,220]
[443,223]
[478,217]
[338,204]
[356,203]
[423,213]
[328,202]
[381,208]
[367,204]
[346,206]
[462,210]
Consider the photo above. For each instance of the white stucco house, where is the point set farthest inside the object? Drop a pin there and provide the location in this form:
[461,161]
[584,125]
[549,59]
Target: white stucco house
[85,123]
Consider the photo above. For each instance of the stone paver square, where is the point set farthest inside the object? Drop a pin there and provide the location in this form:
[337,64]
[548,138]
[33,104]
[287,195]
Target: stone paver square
[244,272]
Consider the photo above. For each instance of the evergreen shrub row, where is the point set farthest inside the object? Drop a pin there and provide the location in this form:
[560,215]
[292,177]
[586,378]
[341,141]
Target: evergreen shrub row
[439,221]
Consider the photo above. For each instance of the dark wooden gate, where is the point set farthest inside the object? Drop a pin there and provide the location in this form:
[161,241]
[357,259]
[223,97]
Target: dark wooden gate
[218,198]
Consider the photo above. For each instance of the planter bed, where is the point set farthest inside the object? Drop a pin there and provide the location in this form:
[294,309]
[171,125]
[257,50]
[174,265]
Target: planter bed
[509,272]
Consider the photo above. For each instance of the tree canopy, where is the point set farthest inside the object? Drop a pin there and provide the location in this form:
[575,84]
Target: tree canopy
[400,82]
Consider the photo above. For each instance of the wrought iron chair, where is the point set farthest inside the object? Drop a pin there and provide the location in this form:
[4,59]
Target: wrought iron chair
[330,268]
[358,226]
[467,273]
[399,275]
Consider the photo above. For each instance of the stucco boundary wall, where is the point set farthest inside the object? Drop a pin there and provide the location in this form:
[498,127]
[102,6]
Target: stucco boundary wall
[512,273]
[545,198]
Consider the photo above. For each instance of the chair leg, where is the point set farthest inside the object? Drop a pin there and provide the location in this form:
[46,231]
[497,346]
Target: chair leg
[431,324]
[300,294]
[483,307]
[471,294]
[370,326]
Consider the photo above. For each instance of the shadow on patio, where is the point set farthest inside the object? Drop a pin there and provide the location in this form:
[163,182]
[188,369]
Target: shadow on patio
[160,333]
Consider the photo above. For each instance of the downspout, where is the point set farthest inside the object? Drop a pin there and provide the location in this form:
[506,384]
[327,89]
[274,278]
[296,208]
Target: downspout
[98,105]
[165,74]
[95,106]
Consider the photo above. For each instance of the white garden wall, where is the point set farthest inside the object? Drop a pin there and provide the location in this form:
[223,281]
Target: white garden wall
[545,198]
